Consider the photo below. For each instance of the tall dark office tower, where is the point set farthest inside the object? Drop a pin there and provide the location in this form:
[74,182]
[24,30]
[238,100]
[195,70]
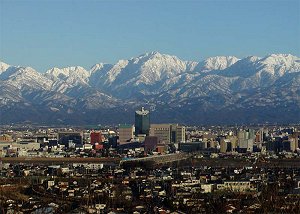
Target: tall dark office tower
[142,122]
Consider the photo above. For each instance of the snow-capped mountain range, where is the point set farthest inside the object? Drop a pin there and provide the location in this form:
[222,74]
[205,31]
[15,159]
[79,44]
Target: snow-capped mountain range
[222,89]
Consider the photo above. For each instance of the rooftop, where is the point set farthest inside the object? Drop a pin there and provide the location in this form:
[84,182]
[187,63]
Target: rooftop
[142,111]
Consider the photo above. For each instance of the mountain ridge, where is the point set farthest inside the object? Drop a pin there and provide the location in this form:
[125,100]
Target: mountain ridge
[210,90]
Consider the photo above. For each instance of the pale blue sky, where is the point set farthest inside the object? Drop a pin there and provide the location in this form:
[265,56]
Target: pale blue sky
[44,34]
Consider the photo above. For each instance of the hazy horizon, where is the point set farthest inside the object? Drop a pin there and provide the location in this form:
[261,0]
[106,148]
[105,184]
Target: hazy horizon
[90,67]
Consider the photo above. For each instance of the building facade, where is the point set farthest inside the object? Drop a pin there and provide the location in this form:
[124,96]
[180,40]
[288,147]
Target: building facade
[168,133]
[95,137]
[126,133]
[64,138]
[162,131]
[142,122]
[179,135]
[246,139]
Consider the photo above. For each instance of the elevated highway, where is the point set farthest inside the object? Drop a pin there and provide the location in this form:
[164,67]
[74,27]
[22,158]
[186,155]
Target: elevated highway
[155,159]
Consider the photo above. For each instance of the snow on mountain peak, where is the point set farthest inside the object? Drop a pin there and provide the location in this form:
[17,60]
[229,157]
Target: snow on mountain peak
[281,59]
[145,57]
[216,63]
[154,66]
[97,67]
[3,67]
[161,80]
[116,70]
[162,65]
[154,55]
[55,72]
[279,64]
[252,58]
[146,69]
[13,71]
[156,69]
[65,73]
[150,54]
[27,77]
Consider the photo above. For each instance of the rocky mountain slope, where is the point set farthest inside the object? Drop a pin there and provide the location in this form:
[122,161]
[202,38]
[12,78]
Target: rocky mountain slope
[222,89]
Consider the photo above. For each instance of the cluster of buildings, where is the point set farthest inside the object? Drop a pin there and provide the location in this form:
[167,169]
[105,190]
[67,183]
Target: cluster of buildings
[154,136]
[270,140]
[191,169]
[103,188]
[145,138]
[54,142]
[46,142]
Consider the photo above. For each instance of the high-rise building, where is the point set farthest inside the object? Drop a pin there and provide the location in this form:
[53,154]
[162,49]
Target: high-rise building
[95,137]
[225,145]
[234,142]
[126,133]
[168,133]
[293,144]
[179,133]
[259,136]
[142,122]
[162,131]
[246,139]
[296,136]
